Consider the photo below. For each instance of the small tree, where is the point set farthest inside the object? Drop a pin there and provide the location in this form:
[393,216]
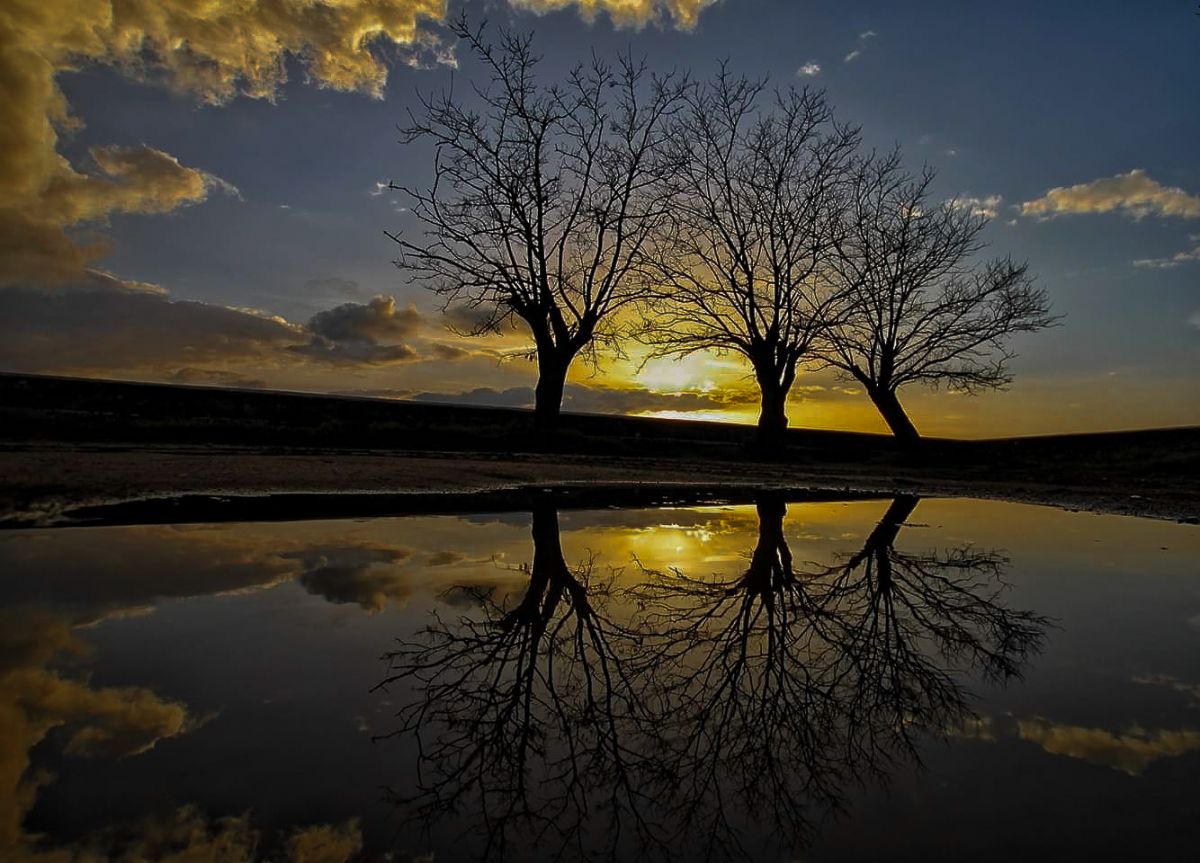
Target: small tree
[754,198]
[543,196]
[919,309]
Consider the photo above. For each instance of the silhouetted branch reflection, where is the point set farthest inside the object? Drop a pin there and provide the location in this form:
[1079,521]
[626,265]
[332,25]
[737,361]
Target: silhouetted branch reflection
[783,686]
[697,717]
[521,709]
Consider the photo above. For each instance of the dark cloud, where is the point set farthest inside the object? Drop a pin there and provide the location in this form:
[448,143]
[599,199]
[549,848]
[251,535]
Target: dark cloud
[449,353]
[513,397]
[363,333]
[376,321]
[103,323]
[216,377]
[585,399]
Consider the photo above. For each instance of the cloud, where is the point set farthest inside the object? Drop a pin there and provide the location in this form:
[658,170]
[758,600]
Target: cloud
[1130,752]
[1134,194]
[683,14]
[811,69]
[1194,320]
[986,207]
[863,38]
[216,377]
[366,333]
[585,399]
[103,323]
[34,245]
[449,353]
[209,51]
[1178,259]
[375,321]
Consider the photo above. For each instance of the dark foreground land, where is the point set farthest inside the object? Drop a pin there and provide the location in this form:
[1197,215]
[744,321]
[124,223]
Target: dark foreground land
[81,451]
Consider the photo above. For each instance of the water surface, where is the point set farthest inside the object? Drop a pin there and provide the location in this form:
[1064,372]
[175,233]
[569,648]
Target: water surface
[895,678]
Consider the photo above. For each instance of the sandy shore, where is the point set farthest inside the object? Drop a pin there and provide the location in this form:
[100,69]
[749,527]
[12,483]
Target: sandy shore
[42,483]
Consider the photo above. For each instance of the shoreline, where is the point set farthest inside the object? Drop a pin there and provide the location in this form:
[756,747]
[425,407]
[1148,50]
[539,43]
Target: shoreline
[59,485]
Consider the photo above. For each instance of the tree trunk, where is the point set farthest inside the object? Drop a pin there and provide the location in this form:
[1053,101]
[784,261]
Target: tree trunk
[772,417]
[547,403]
[893,414]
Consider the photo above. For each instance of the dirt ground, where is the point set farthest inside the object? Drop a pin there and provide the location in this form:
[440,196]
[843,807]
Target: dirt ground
[42,482]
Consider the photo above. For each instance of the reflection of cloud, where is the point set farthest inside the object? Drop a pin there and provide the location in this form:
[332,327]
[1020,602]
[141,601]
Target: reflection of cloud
[188,834]
[1191,690]
[444,558]
[1134,194]
[112,722]
[1130,752]
[361,575]
[980,728]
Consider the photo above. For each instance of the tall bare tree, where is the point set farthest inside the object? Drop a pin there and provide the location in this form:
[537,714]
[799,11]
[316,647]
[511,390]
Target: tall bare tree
[754,198]
[543,197]
[921,309]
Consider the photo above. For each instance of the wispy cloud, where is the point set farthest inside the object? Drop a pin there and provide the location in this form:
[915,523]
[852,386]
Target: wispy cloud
[1188,256]
[1134,194]
[987,207]
[863,38]
[811,69]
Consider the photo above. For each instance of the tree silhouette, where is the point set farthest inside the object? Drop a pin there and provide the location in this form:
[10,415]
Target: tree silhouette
[523,710]
[543,197]
[788,686]
[725,712]
[921,311]
[754,196]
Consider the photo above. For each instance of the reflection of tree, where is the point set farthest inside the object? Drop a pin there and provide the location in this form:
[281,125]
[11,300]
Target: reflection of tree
[786,686]
[727,708]
[909,622]
[520,709]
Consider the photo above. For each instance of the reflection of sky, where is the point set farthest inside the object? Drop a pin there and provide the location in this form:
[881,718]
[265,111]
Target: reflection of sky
[227,668]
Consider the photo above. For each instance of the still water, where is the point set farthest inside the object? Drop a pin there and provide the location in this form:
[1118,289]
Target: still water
[891,679]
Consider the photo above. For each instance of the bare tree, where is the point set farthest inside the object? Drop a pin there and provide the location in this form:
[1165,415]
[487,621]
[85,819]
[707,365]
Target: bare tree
[921,310]
[542,199]
[753,206]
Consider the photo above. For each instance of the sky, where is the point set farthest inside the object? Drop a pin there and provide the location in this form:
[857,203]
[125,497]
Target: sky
[196,193]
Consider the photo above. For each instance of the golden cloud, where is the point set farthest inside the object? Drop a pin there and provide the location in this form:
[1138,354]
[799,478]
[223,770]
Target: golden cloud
[626,13]
[1130,752]
[1135,194]
[211,51]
